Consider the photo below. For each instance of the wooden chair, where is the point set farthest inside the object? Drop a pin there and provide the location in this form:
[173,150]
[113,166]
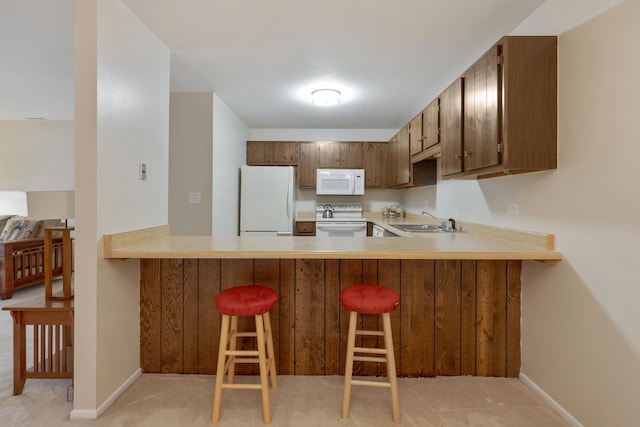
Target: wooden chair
[52,327]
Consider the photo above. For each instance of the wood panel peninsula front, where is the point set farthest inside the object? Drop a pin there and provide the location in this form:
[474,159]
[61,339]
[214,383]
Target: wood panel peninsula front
[459,312]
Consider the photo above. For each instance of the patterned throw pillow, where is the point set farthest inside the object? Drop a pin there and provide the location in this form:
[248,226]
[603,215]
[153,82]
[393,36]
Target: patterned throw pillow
[3,221]
[30,229]
[11,228]
[20,228]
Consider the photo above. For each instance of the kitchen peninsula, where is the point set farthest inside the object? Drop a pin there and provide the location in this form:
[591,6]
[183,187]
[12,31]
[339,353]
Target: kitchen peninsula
[459,312]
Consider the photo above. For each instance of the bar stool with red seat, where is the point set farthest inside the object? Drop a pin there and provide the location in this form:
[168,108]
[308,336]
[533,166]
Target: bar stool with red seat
[249,300]
[370,299]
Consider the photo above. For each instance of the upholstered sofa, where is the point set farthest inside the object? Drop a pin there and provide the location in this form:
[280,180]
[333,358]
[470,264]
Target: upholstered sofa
[22,252]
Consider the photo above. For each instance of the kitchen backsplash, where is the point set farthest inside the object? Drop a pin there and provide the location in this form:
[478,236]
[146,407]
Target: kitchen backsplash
[373,200]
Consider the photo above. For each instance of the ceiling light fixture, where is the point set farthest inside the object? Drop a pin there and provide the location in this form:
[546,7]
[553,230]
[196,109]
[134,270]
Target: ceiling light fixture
[325,97]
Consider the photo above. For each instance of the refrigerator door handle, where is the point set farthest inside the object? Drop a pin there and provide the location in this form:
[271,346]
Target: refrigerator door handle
[284,233]
[289,200]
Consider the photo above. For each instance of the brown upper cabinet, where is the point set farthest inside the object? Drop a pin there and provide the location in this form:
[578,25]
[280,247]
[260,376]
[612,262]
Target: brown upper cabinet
[374,162]
[509,111]
[481,139]
[311,155]
[399,170]
[340,155]
[431,124]
[415,135]
[424,128]
[272,153]
[307,165]
[451,129]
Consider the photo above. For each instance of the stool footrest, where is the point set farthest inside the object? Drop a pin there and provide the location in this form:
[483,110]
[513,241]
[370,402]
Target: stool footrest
[245,360]
[369,359]
[369,350]
[371,383]
[365,332]
[246,334]
[241,353]
[243,386]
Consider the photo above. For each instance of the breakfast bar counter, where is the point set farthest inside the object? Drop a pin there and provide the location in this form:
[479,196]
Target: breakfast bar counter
[459,308]
[476,242]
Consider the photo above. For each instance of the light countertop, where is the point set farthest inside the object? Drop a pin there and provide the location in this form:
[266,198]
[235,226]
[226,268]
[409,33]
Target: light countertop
[475,242]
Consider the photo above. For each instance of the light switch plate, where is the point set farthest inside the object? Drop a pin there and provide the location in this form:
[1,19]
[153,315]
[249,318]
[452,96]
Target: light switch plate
[513,208]
[194,198]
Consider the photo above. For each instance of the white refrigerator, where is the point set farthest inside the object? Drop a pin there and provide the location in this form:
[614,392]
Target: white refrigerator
[267,200]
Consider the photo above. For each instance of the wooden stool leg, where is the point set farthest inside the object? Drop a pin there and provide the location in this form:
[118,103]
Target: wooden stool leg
[391,366]
[348,368]
[232,347]
[264,375]
[217,397]
[271,358]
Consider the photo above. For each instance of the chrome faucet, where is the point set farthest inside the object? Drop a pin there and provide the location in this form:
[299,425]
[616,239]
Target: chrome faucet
[449,225]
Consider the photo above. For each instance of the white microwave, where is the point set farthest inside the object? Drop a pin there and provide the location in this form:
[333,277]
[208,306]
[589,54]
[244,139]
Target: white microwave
[340,182]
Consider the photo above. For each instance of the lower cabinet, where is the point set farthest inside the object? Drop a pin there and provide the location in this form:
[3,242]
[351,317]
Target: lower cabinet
[305,228]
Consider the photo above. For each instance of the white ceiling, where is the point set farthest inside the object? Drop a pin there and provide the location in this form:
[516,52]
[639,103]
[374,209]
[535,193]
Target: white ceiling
[263,58]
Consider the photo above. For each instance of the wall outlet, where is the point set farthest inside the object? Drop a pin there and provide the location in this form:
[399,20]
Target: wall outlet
[513,208]
[142,171]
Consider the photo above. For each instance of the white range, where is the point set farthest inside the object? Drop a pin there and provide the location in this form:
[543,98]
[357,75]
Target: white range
[340,219]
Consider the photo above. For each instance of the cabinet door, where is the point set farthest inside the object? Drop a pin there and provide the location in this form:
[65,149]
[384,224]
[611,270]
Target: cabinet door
[391,163]
[451,128]
[257,152]
[481,113]
[415,134]
[431,124]
[307,165]
[305,228]
[351,154]
[272,153]
[403,157]
[328,154]
[285,153]
[374,160]
[340,155]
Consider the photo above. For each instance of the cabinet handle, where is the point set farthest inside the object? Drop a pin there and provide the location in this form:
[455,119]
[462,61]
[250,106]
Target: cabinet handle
[467,153]
[456,156]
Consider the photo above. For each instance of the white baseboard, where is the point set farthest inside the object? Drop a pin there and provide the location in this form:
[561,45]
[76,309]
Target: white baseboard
[549,401]
[92,414]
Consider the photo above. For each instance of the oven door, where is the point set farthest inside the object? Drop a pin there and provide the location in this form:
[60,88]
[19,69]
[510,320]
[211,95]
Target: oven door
[341,229]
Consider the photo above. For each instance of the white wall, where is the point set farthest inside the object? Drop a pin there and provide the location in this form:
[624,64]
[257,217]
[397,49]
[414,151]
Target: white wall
[580,340]
[190,163]
[230,134]
[122,118]
[36,155]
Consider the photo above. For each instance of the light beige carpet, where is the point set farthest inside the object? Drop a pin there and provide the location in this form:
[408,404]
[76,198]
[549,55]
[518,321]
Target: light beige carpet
[186,400]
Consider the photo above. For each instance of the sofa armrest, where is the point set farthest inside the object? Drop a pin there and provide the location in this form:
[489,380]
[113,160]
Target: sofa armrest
[16,245]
